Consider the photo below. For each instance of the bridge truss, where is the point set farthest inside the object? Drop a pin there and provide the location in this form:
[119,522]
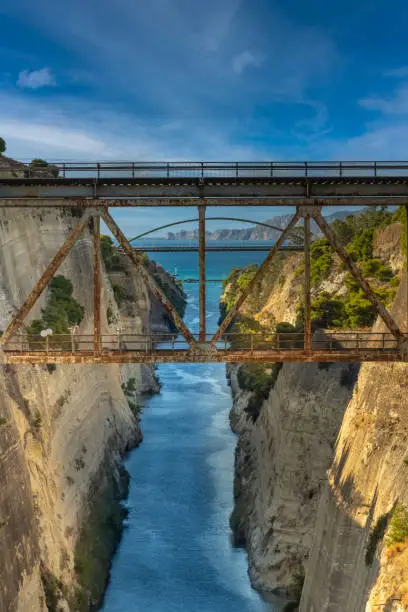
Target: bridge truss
[305,187]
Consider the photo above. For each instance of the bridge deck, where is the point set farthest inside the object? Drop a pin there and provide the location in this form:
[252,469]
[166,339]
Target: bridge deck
[136,348]
[226,184]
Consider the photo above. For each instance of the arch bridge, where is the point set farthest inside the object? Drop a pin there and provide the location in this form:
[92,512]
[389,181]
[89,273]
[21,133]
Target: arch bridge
[94,188]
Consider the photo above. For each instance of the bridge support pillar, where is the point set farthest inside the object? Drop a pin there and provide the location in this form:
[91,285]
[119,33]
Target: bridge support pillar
[308,319]
[201,255]
[406,264]
[97,283]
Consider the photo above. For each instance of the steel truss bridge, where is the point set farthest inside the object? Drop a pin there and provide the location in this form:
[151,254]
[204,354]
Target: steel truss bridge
[96,187]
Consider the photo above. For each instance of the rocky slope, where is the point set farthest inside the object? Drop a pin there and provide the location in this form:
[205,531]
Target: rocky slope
[322,460]
[367,478]
[63,431]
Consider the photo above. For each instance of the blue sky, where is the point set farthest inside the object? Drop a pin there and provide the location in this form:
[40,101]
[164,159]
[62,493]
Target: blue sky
[214,80]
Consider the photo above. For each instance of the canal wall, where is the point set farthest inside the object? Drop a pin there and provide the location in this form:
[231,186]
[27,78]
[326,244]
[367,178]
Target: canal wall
[64,429]
[320,472]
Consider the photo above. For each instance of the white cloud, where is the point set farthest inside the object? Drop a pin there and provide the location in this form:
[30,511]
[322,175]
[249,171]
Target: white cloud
[82,130]
[379,142]
[245,60]
[399,73]
[397,104]
[35,79]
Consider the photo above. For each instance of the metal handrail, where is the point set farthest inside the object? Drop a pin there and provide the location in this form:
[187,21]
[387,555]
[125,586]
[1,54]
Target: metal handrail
[278,342]
[235,170]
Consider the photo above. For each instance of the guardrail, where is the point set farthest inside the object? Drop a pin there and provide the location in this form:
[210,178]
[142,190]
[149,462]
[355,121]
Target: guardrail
[278,342]
[157,170]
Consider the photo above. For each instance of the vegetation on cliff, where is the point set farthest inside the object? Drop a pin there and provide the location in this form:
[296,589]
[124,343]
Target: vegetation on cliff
[259,378]
[349,308]
[115,262]
[61,311]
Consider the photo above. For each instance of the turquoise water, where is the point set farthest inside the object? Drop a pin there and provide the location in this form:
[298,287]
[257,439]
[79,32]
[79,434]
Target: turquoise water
[176,553]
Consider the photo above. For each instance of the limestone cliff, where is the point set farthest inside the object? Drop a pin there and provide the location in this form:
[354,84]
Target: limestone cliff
[308,498]
[368,476]
[63,430]
[281,461]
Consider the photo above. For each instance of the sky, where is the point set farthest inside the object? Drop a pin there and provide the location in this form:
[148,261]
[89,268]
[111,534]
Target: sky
[222,80]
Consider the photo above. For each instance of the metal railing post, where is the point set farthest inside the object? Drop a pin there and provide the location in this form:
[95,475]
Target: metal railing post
[252,343]
[172,343]
[47,344]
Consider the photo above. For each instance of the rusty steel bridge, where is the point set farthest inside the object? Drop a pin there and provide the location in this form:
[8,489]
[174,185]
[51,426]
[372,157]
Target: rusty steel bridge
[94,188]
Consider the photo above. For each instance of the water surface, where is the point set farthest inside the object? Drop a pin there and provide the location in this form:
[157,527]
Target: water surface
[176,553]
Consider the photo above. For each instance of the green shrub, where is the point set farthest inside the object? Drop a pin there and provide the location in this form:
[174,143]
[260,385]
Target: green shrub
[129,387]
[259,378]
[321,254]
[327,311]
[61,311]
[375,537]
[135,408]
[41,167]
[360,311]
[377,269]
[37,422]
[398,529]
[2,145]
[119,293]
[52,589]
[110,255]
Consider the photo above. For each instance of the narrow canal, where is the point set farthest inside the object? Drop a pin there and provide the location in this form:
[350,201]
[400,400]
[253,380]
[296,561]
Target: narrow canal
[176,554]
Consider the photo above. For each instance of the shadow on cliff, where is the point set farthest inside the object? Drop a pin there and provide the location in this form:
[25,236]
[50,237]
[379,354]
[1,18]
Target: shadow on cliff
[345,533]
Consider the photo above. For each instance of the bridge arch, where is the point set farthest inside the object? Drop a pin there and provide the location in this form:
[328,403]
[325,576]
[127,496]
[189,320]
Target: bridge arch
[161,227]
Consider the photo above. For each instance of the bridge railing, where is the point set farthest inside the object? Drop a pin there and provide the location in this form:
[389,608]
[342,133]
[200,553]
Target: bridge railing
[168,170]
[330,341]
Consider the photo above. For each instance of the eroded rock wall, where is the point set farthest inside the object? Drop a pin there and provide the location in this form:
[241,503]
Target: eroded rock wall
[60,429]
[281,461]
[368,476]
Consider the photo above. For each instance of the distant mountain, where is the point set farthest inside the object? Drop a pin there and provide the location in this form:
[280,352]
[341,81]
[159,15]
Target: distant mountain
[256,232]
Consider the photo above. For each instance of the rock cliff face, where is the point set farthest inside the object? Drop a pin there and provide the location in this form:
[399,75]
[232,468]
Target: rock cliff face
[62,431]
[324,463]
[281,461]
[368,476]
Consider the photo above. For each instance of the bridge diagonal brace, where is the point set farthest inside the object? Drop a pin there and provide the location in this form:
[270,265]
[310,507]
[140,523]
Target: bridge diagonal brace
[144,272]
[357,274]
[46,277]
[258,276]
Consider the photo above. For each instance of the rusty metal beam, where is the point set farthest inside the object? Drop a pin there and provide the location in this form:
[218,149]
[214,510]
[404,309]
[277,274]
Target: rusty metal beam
[40,286]
[357,274]
[219,356]
[308,319]
[137,260]
[187,202]
[406,264]
[97,283]
[258,276]
[201,258]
